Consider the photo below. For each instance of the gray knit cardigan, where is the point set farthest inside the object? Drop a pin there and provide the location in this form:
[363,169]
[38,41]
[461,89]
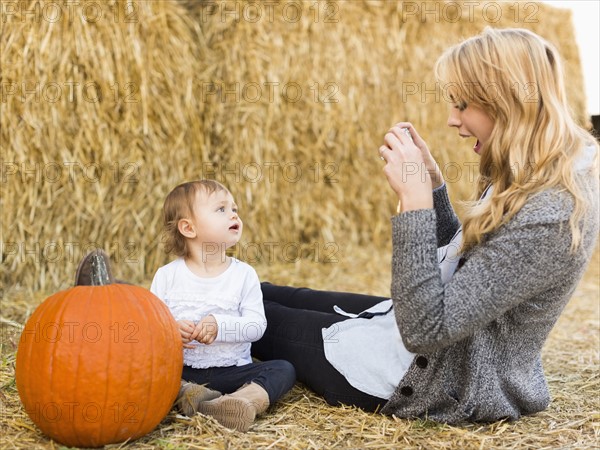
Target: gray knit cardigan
[479,338]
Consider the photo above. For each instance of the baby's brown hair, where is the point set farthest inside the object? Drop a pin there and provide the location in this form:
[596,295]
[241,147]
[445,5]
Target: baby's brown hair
[178,205]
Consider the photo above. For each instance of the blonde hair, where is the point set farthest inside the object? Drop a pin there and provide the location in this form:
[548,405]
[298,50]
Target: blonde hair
[178,205]
[516,78]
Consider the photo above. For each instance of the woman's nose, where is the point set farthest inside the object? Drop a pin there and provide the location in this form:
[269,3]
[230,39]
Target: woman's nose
[454,118]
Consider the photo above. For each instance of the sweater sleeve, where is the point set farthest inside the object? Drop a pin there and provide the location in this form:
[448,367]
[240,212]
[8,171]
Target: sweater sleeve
[447,221]
[513,264]
[251,324]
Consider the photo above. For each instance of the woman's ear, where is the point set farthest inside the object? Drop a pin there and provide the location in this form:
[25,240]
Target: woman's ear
[186,228]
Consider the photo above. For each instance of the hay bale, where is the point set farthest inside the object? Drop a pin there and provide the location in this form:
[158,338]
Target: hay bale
[103,114]
[97,104]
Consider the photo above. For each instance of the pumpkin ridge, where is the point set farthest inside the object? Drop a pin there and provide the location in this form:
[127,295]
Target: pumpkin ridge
[63,305]
[79,352]
[152,362]
[126,303]
[54,308]
[66,304]
[108,359]
[25,371]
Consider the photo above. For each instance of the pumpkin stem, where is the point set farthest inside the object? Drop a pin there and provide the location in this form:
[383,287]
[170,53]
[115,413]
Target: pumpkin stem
[100,275]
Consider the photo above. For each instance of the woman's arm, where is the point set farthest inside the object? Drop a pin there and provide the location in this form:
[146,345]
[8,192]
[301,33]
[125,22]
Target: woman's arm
[447,221]
[416,178]
[518,262]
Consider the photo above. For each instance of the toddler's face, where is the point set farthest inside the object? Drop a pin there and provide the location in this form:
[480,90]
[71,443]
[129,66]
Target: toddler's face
[216,218]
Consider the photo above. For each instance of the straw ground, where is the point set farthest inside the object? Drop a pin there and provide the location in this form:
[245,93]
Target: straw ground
[304,421]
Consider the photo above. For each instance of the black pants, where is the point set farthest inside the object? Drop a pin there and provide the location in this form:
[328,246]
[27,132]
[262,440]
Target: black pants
[276,377]
[295,319]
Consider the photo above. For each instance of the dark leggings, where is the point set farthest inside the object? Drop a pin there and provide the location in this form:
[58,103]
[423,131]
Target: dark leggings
[295,319]
[276,377]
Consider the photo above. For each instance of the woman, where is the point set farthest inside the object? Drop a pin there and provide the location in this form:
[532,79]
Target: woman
[461,338]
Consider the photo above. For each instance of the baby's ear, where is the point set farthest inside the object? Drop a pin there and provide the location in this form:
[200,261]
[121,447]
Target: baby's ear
[186,228]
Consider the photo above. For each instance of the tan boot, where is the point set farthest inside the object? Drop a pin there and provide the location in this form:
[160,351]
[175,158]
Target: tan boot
[237,410]
[191,394]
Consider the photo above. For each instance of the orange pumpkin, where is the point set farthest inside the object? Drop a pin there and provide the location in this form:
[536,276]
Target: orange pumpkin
[99,364]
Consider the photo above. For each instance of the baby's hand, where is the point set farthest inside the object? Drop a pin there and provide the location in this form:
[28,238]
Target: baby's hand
[206,330]
[186,329]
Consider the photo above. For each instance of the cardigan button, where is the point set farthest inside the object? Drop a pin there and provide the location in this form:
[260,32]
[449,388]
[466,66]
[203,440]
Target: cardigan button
[406,391]
[421,362]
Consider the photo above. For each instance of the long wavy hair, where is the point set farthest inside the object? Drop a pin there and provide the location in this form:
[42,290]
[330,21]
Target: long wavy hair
[516,78]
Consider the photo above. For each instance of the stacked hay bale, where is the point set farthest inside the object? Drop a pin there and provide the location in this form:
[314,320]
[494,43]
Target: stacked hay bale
[107,106]
[95,110]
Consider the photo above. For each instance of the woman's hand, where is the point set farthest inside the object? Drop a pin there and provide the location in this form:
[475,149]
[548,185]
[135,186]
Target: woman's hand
[410,167]
[435,173]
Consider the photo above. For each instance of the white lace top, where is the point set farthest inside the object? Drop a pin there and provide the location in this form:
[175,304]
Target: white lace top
[234,299]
